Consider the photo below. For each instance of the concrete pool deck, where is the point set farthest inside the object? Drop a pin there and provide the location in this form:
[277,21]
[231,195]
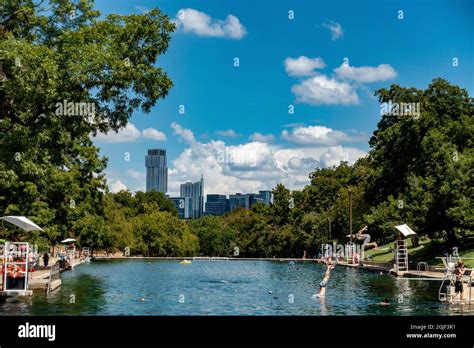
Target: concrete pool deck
[39,280]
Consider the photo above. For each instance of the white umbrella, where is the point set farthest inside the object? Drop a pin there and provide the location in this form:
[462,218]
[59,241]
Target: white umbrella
[22,222]
[68,240]
[405,230]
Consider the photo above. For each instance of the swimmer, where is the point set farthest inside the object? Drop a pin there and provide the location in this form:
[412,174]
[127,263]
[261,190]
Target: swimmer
[385,302]
[322,285]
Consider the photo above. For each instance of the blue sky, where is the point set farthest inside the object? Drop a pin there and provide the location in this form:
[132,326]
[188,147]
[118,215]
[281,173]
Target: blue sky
[282,62]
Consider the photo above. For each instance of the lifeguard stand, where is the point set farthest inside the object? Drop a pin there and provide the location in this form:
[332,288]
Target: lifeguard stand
[401,256]
[15,269]
[16,258]
[401,250]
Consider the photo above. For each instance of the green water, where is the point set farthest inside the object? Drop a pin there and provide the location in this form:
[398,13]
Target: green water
[142,287]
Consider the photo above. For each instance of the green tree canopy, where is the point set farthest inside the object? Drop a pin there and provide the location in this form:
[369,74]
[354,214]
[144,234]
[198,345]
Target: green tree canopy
[59,52]
[425,162]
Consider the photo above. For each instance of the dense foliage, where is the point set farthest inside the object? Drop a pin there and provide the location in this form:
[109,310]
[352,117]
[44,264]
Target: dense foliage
[63,51]
[419,169]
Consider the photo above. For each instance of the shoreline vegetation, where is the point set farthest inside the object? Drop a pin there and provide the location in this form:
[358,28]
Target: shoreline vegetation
[419,169]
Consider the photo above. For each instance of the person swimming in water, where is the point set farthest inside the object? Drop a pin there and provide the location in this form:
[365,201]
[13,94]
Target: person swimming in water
[327,274]
[385,302]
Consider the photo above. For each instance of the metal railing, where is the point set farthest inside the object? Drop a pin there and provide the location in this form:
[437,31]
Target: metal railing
[55,273]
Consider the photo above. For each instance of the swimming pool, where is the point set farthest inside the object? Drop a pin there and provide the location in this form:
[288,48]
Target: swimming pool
[156,287]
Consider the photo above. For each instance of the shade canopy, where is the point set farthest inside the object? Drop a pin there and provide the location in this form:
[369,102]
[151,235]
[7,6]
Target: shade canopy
[68,240]
[405,230]
[22,222]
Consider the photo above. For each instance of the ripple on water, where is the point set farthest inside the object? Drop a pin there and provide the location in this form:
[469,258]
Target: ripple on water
[152,287]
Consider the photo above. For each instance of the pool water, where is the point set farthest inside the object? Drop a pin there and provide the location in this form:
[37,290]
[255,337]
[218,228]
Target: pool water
[156,287]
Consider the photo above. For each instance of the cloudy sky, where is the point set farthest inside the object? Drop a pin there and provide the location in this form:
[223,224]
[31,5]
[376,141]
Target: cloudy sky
[264,94]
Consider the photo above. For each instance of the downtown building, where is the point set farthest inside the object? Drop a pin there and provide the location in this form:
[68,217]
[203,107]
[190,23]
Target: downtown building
[219,204]
[247,200]
[216,205]
[239,201]
[183,205]
[156,171]
[195,192]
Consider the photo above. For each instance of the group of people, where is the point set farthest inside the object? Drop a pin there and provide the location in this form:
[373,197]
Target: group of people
[458,272]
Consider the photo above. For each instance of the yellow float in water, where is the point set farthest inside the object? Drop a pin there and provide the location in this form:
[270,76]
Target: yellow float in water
[185,262]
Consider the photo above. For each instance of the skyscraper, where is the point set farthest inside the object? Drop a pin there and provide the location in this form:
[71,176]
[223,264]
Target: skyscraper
[156,171]
[196,192]
[216,204]
[239,200]
[184,206]
[266,196]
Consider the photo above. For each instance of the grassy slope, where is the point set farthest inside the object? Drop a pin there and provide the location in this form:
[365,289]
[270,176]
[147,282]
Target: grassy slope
[426,251]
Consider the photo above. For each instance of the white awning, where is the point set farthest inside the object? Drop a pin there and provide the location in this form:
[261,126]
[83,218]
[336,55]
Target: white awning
[22,222]
[405,230]
[69,240]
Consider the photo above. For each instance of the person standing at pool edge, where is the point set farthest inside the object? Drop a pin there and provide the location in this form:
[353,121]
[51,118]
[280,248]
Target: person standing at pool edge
[45,260]
[458,284]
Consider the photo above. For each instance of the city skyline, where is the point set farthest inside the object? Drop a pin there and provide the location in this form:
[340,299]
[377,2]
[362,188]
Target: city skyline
[157,178]
[193,202]
[250,113]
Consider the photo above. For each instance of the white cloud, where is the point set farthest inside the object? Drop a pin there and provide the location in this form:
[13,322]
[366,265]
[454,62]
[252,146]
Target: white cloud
[335,29]
[324,90]
[230,133]
[318,135]
[251,166]
[136,174]
[247,167]
[262,138]
[185,134]
[117,186]
[200,23]
[382,72]
[303,66]
[127,134]
[151,133]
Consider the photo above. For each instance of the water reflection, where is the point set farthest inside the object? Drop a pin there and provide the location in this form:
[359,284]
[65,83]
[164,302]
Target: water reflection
[137,287]
[81,294]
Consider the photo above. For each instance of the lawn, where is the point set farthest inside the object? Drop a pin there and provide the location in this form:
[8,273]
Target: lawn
[426,251]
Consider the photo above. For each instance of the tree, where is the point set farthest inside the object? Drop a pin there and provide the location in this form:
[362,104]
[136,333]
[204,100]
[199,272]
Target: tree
[159,198]
[215,236]
[425,162]
[92,232]
[161,233]
[68,74]
[281,204]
